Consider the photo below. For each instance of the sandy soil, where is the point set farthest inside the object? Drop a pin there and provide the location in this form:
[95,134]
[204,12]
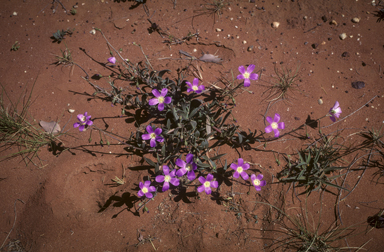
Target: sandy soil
[69,203]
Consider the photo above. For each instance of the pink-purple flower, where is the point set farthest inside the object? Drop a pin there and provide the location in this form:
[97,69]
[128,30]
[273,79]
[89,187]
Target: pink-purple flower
[83,121]
[160,98]
[335,111]
[112,60]
[247,75]
[207,184]
[240,169]
[257,181]
[185,167]
[153,135]
[169,177]
[146,189]
[274,125]
[195,86]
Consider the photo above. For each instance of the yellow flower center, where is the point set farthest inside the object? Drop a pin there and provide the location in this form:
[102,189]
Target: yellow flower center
[82,120]
[240,169]
[188,167]
[207,184]
[195,88]
[256,182]
[246,75]
[333,111]
[153,135]
[160,99]
[167,178]
[144,190]
[274,125]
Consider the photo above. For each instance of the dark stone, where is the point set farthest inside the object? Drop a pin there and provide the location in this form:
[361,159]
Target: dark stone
[297,118]
[315,45]
[358,84]
[345,54]
[324,18]
[329,39]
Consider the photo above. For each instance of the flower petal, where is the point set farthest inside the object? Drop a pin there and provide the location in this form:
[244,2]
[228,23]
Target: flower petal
[253,177]
[195,81]
[152,189]
[155,92]
[209,177]
[165,186]
[147,183]
[244,175]
[181,172]
[245,166]
[80,117]
[269,119]
[276,118]
[76,124]
[180,163]
[254,76]
[268,129]
[201,87]
[236,174]
[202,179]
[153,101]
[175,181]
[146,136]
[158,131]
[164,92]
[167,100]
[250,68]
[82,127]
[240,77]
[140,193]
[89,123]
[277,133]
[191,175]
[258,188]
[247,83]
[208,190]
[149,129]
[260,177]
[241,69]
[159,139]
[281,125]
[233,166]
[166,170]
[161,107]
[189,158]
[149,195]
[152,143]
[263,183]
[333,118]
[189,84]
[215,184]
[159,178]
[189,90]
[141,185]
[200,188]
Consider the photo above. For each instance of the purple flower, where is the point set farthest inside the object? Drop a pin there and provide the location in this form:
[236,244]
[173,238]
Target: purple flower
[83,121]
[153,135]
[257,181]
[194,87]
[146,189]
[207,183]
[160,98]
[112,60]
[274,125]
[189,167]
[168,178]
[240,169]
[335,111]
[247,75]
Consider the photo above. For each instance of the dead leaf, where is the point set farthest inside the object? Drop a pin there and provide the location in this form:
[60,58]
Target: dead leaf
[50,127]
[210,58]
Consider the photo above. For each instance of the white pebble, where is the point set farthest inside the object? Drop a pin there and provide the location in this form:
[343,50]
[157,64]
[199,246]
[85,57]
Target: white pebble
[71,110]
[275,24]
[14,13]
[343,36]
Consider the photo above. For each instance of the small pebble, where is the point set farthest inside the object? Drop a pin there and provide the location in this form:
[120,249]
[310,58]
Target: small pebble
[275,24]
[71,110]
[250,48]
[358,84]
[218,29]
[334,22]
[244,42]
[14,13]
[320,101]
[343,36]
[355,19]
[345,54]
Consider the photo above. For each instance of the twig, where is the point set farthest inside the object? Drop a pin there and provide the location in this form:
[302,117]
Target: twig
[14,222]
[144,54]
[350,113]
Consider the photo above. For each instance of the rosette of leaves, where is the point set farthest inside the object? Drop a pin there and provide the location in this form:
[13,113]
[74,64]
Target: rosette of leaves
[315,168]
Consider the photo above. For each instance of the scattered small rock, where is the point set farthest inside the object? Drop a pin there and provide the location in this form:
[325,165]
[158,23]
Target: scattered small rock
[250,48]
[324,18]
[297,118]
[71,110]
[275,24]
[355,19]
[343,36]
[14,13]
[244,42]
[333,22]
[218,29]
[345,54]
[315,45]
[320,101]
[358,84]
